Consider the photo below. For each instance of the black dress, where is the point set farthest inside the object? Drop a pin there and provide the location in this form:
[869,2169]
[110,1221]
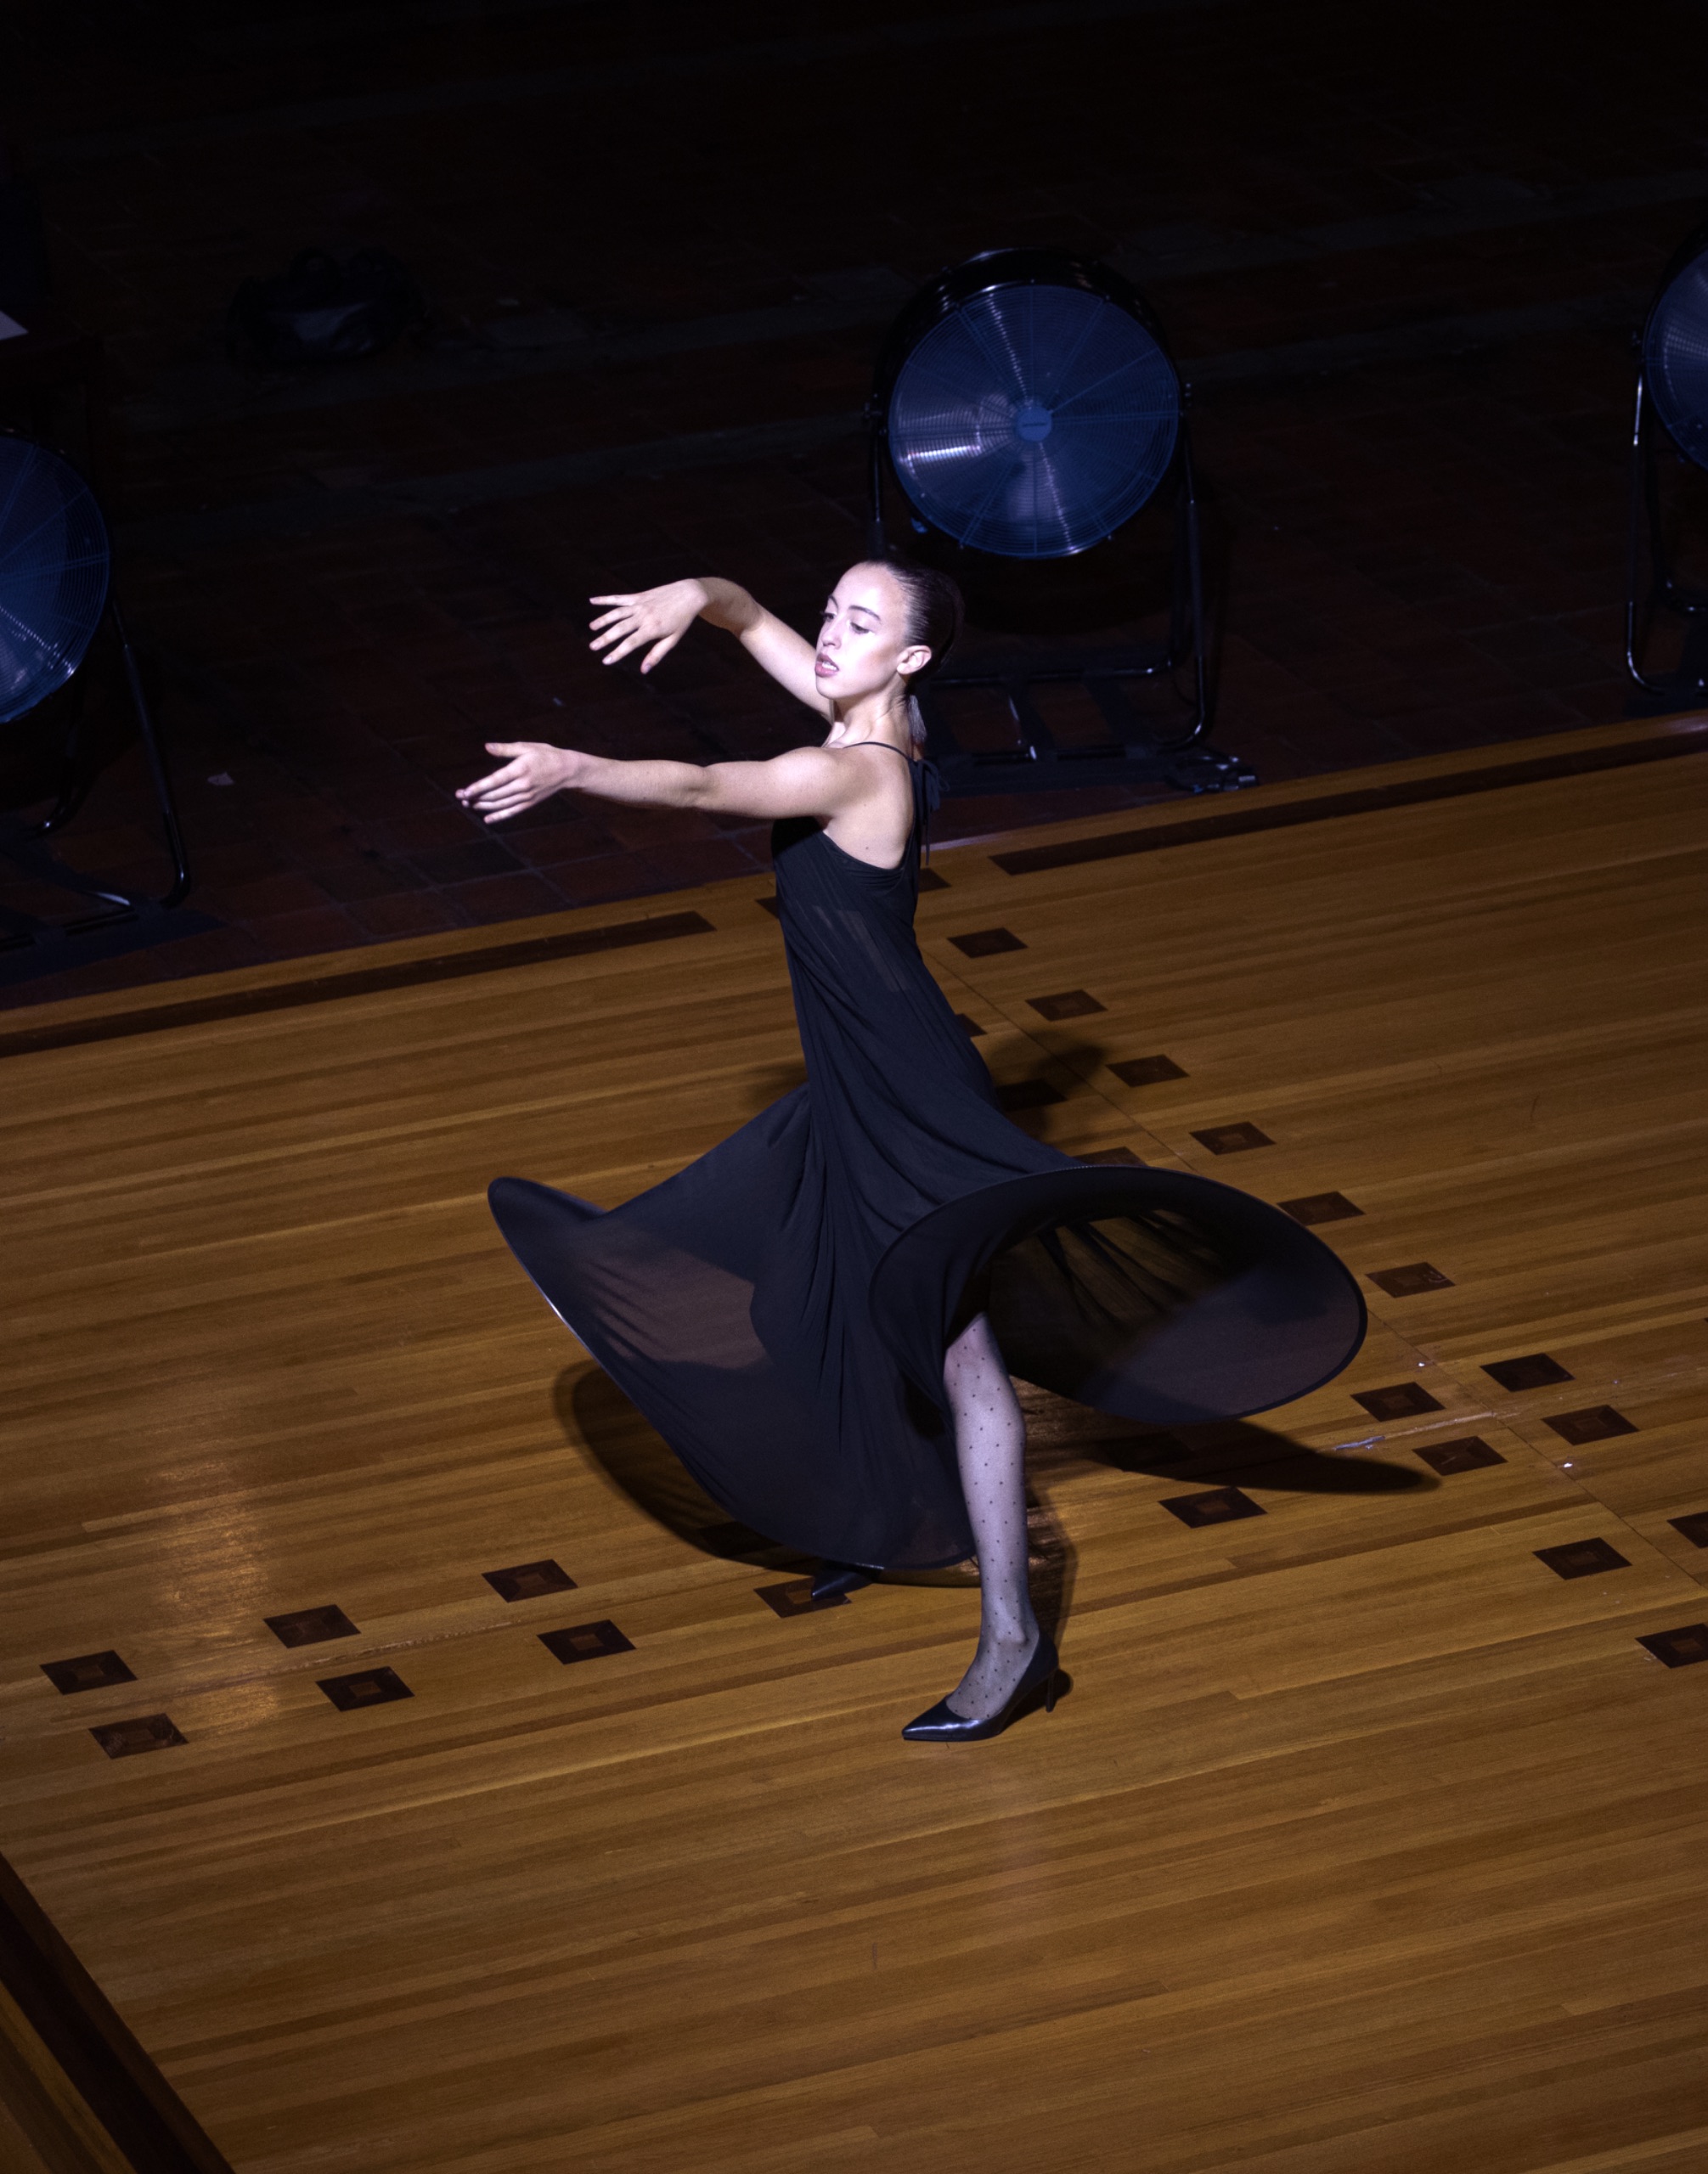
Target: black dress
[780,1309]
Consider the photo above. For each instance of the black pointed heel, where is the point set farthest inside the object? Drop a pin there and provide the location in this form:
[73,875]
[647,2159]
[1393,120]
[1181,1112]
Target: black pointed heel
[942,1725]
[830,1578]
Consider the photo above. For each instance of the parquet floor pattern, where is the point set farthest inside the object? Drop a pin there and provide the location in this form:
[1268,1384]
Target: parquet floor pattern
[1364,1839]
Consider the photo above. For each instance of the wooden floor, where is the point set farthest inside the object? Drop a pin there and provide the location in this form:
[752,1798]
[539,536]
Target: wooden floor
[1365,1840]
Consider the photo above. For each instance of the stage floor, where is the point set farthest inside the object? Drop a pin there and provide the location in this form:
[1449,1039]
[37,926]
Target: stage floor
[1372,1833]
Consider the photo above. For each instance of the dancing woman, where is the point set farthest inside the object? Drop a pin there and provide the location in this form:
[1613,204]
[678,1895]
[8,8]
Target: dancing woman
[822,1314]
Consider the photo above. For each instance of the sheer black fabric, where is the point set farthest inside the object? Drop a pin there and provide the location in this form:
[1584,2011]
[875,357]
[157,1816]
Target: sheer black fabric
[780,1308]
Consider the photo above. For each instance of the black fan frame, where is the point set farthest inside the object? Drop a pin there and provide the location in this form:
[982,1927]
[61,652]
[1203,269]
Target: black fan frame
[1037,763]
[22,842]
[1646,538]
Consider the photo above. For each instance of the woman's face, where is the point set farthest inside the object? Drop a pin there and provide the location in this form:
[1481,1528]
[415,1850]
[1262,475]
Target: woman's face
[863,643]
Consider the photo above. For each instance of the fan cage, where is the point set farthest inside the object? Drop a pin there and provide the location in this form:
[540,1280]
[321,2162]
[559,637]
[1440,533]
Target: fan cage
[1675,349]
[55,574]
[1028,404]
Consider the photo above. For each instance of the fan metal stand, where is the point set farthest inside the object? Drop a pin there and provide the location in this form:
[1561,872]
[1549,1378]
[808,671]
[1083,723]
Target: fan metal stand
[25,845]
[1132,755]
[1662,590]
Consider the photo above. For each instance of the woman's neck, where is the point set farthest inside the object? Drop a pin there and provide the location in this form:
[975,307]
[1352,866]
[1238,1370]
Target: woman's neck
[877,717]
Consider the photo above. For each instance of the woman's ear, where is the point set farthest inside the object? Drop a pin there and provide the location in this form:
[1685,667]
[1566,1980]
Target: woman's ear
[915,658]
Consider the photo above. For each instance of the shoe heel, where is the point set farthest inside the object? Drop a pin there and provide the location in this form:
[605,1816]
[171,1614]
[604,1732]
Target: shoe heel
[942,1725]
[834,1580]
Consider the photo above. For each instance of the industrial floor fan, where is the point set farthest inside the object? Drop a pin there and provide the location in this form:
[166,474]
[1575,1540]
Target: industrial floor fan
[56,588]
[1671,389]
[1027,406]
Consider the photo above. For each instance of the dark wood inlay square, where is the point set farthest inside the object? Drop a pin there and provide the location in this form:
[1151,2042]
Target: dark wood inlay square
[529,1579]
[310,1626]
[1319,1207]
[1027,1095]
[1596,1423]
[1232,1139]
[1678,1648]
[1694,1527]
[88,1672]
[1217,1506]
[585,1641]
[124,1739]
[986,942]
[1071,1004]
[1582,1558]
[1403,1401]
[769,905]
[1467,1454]
[1112,1155]
[1407,1282]
[796,1598]
[1538,1371]
[1146,1071]
[970,1026]
[367,1686]
[929,880]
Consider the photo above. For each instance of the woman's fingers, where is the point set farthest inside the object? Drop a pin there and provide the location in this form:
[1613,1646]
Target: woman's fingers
[508,770]
[533,774]
[482,789]
[628,630]
[495,807]
[659,649]
[512,774]
[652,615]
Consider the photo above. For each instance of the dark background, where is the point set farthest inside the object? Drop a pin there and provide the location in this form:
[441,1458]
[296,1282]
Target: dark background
[1399,253]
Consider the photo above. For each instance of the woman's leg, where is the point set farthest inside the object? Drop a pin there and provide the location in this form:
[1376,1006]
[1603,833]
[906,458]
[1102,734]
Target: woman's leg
[991,1444]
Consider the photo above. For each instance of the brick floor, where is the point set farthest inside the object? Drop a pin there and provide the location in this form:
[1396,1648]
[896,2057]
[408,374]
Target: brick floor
[1419,552]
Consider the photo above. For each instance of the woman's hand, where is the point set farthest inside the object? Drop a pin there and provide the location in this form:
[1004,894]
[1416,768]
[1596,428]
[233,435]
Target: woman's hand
[658,616]
[534,772]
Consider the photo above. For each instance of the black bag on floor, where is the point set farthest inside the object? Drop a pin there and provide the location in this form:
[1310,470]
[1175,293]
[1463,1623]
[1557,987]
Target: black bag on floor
[324,309]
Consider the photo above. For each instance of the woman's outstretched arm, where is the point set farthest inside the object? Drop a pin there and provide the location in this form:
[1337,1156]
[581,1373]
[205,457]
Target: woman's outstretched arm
[806,781]
[655,620]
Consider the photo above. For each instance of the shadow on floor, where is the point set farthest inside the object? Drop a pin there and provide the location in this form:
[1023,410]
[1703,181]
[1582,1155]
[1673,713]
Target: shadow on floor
[771,1083]
[637,1464]
[1222,1454]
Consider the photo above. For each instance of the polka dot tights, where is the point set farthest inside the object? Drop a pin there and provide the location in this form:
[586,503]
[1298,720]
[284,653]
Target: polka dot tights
[990,1446]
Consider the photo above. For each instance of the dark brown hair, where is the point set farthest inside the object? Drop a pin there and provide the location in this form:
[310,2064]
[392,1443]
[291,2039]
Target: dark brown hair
[935,612]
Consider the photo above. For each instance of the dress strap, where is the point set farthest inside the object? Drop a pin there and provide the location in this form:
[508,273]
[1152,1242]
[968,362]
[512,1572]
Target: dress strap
[888,744]
[927,789]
